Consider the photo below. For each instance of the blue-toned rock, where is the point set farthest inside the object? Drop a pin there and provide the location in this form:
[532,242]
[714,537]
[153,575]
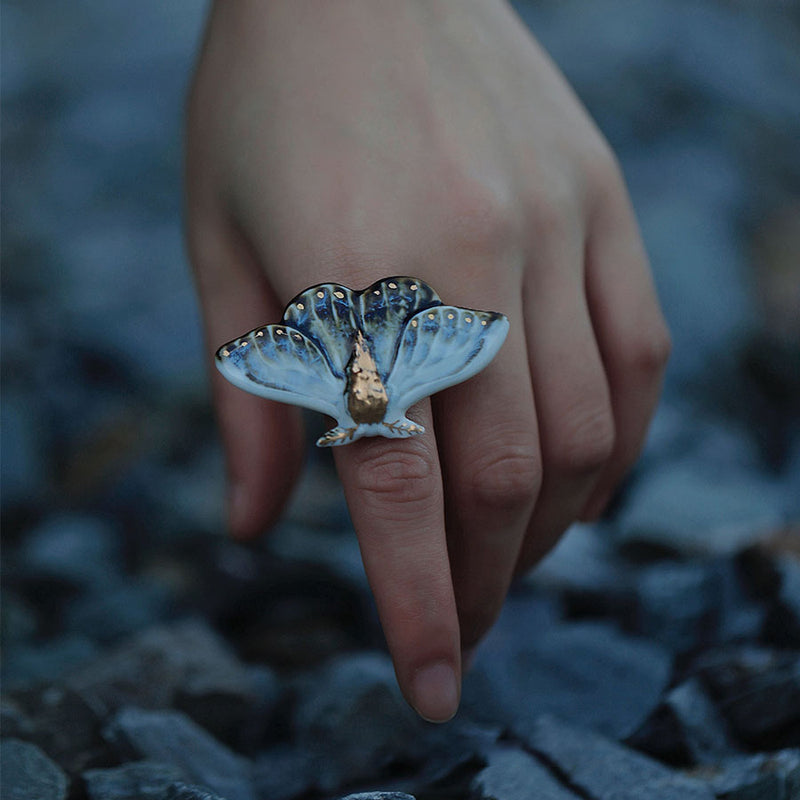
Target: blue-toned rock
[686,728]
[171,737]
[605,770]
[589,673]
[517,775]
[138,780]
[28,774]
[352,718]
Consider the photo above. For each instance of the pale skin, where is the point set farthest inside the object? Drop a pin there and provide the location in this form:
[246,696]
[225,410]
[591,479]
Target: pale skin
[351,140]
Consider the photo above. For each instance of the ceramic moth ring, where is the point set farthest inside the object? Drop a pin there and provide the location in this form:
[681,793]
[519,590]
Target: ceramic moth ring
[364,357]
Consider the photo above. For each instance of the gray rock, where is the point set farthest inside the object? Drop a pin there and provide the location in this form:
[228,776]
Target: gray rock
[119,610]
[185,665]
[516,775]
[589,673]
[183,791]
[138,780]
[758,692]
[64,725]
[379,796]
[686,728]
[589,575]
[284,772]
[691,509]
[605,770]
[79,550]
[173,738]
[783,621]
[28,774]
[678,604]
[31,664]
[353,719]
[766,776]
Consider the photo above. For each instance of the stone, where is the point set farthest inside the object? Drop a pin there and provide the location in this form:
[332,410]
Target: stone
[516,775]
[589,673]
[79,550]
[137,780]
[379,796]
[26,665]
[352,718]
[758,692]
[28,774]
[688,508]
[64,725]
[782,625]
[184,791]
[678,604]
[119,610]
[686,728]
[765,776]
[173,738]
[588,575]
[184,664]
[284,772]
[601,769]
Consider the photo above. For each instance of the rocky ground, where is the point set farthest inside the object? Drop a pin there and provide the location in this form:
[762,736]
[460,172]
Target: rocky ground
[654,655]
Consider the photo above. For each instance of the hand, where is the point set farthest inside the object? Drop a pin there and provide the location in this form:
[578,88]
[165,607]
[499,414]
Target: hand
[353,140]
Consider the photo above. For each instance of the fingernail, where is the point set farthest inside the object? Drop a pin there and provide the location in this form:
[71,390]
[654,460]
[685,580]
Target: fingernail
[237,509]
[435,692]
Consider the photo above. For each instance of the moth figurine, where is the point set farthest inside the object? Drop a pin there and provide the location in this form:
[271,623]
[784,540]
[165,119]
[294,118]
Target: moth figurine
[364,357]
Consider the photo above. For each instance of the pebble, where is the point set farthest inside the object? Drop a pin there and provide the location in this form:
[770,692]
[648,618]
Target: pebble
[758,692]
[686,728]
[516,775]
[137,780]
[173,738]
[588,673]
[28,774]
[184,664]
[605,770]
[184,791]
[690,509]
[766,776]
[352,718]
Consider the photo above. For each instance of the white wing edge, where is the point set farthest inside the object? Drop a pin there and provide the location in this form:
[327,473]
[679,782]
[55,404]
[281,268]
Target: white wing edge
[495,336]
[324,406]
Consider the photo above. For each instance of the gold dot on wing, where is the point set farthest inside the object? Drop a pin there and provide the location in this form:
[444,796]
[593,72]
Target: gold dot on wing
[392,285]
[431,316]
[320,294]
[468,319]
[450,316]
[301,307]
[339,294]
[413,287]
[413,323]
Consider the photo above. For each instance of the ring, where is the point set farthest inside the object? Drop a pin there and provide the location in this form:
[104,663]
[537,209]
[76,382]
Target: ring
[364,357]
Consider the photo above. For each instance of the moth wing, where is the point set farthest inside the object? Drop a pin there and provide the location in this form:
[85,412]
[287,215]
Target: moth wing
[280,363]
[440,347]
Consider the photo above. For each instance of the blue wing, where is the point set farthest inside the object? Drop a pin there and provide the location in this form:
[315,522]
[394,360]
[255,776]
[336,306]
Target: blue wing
[440,347]
[280,363]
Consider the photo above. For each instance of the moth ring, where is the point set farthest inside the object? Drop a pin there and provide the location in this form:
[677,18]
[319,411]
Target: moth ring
[364,357]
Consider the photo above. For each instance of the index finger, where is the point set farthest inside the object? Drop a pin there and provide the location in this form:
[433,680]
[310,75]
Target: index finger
[394,492]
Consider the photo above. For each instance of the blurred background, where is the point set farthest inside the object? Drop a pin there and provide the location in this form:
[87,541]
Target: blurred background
[112,476]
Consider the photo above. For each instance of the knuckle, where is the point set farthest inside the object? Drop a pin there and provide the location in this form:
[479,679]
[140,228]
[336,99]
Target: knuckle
[586,442]
[397,475]
[483,220]
[553,213]
[510,480]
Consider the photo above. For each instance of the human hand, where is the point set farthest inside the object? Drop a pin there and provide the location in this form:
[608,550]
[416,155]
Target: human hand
[353,140]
